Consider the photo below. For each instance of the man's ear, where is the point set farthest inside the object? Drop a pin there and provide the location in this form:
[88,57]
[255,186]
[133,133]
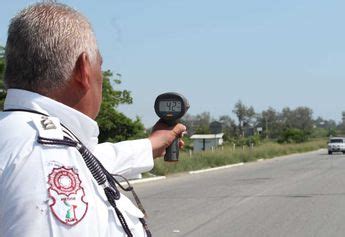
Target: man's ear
[83,71]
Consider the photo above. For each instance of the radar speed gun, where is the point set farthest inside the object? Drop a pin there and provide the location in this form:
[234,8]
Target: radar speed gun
[170,107]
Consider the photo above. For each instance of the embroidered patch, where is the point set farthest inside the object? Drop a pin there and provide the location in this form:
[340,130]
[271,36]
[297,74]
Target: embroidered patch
[67,195]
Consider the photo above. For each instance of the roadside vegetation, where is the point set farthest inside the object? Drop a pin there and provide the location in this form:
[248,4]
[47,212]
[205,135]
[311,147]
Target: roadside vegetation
[227,155]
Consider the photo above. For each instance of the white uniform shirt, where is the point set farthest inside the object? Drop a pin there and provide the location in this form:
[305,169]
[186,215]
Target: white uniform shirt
[48,190]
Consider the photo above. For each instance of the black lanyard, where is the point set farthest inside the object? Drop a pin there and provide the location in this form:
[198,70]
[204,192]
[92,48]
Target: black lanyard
[100,174]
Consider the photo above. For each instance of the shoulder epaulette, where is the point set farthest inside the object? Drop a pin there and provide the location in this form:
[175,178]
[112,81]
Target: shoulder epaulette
[48,127]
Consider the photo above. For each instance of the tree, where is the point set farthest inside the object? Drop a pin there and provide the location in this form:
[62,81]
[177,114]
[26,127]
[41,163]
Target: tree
[271,122]
[300,118]
[341,125]
[324,128]
[298,124]
[115,126]
[2,69]
[292,135]
[229,127]
[197,123]
[203,123]
[244,115]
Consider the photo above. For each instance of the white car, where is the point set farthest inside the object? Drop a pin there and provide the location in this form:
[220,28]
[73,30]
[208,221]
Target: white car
[336,144]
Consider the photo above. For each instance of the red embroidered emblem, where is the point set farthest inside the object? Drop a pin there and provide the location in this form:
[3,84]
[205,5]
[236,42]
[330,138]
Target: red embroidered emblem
[67,195]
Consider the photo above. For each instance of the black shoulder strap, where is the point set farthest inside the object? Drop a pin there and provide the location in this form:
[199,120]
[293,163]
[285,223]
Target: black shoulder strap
[24,110]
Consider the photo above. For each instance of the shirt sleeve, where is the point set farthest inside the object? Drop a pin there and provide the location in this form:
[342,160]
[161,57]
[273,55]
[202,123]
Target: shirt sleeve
[128,158]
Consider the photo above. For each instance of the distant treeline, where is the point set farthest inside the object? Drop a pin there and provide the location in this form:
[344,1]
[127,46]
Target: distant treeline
[288,125]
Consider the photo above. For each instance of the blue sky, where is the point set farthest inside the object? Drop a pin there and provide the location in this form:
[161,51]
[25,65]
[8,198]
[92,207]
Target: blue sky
[265,53]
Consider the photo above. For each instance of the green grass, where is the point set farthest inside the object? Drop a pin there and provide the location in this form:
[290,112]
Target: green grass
[226,156]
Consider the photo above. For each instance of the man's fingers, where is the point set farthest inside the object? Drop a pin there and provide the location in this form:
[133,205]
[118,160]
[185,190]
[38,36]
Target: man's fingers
[179,129]
[181,143]
[163,135]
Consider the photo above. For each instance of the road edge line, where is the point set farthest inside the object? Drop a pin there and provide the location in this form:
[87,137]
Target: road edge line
[215,168]
[144,180]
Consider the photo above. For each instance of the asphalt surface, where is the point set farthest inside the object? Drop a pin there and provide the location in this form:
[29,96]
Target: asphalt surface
[299,195]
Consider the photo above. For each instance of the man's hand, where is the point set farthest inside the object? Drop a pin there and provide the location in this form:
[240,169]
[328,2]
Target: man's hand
[162,136]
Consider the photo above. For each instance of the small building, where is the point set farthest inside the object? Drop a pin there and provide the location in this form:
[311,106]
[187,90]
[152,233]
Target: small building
[203,142]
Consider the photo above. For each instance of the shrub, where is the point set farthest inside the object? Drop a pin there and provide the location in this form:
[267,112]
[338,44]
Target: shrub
[293,135]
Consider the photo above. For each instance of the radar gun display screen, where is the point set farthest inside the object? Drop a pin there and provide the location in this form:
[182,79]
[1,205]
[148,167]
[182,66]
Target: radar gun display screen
[170,106]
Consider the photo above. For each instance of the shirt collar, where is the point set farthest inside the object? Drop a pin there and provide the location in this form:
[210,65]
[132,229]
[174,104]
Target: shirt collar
[81,125]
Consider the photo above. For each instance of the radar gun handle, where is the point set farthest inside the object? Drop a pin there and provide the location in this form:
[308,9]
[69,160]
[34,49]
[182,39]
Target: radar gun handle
[172,152]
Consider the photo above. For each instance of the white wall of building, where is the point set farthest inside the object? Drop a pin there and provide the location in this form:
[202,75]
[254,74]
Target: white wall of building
[207,141]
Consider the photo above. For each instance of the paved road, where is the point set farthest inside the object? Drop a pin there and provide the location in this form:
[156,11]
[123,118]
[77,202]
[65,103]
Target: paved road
[300,195]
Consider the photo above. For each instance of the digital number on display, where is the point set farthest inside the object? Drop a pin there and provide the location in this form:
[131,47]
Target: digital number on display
[170,106]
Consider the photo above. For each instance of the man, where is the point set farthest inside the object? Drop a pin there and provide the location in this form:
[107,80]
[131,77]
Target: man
[54,83]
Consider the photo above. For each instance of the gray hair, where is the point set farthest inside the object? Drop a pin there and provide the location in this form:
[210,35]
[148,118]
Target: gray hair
[44,42]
